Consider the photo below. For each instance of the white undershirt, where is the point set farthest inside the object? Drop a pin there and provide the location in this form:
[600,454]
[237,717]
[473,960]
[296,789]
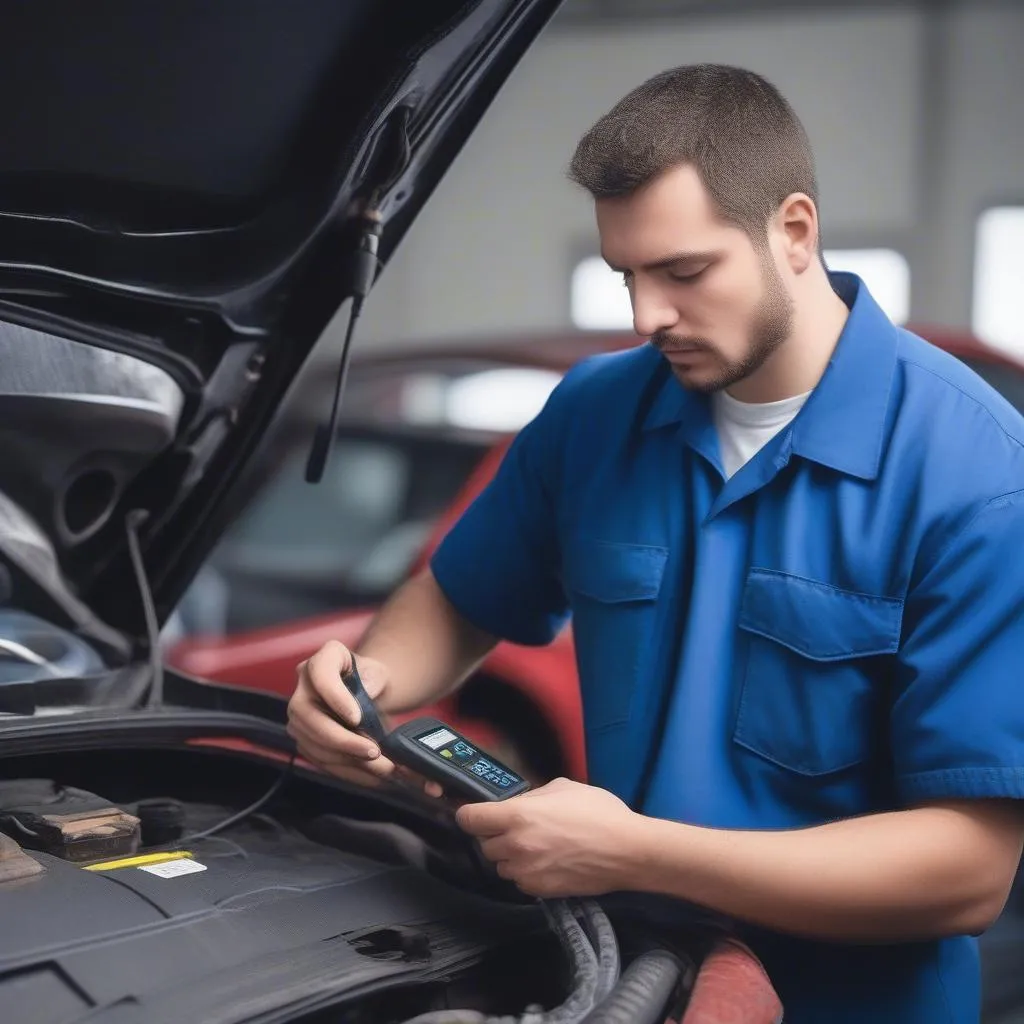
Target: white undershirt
[744,428]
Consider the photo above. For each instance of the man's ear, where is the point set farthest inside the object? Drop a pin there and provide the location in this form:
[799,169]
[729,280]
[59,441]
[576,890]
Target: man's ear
[796,229]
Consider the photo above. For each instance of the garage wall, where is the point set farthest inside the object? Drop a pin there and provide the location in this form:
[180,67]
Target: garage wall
[915,121]
[980,152]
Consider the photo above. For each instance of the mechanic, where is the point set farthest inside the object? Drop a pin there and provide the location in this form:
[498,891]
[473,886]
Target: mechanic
[789,536]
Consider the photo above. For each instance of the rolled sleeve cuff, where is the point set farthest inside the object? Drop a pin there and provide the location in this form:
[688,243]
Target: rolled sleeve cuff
[964,783]
[491,616]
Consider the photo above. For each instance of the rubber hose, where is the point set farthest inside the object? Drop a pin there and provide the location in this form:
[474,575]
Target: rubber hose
[643,993]
[602,937]
[583,961]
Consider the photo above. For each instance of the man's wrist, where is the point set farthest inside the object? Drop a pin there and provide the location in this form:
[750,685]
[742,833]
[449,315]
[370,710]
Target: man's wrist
[656,858]
[634,856]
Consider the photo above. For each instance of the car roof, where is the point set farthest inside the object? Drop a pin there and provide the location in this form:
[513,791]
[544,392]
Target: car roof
[560,351]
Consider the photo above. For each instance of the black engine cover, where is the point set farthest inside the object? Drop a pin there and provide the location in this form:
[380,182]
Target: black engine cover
[249,925]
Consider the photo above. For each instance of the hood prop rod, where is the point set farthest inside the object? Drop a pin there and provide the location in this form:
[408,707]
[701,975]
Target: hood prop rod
[133,523]
[366,264]
[395,150]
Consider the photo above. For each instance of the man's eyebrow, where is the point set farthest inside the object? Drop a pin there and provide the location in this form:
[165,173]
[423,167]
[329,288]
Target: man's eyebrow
[673,259]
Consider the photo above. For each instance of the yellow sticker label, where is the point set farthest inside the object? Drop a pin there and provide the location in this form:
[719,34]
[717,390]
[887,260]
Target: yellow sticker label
[138,861]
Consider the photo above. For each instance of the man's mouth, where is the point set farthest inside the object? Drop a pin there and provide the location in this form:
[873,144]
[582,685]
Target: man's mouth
[682,353]
[677,346]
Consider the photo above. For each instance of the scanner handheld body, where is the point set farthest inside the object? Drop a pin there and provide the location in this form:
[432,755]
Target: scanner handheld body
[437,752]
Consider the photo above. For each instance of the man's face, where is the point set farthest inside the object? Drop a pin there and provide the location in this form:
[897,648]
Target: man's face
[708,299]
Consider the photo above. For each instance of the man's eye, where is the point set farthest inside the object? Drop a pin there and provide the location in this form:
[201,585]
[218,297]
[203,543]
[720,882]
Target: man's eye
[675,276]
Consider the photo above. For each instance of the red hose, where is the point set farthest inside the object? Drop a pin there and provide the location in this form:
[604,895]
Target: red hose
[732,987]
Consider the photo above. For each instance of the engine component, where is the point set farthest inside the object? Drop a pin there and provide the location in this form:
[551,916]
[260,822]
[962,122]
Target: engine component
[644,993]
[37,649]
[15,863]
[66,822]
[593,961]
[162,820]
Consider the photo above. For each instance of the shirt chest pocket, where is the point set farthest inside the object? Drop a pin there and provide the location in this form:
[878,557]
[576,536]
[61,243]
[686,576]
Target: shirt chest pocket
[613,588]
[810,681]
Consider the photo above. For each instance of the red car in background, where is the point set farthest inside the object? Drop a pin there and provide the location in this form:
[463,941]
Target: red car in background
[450,412]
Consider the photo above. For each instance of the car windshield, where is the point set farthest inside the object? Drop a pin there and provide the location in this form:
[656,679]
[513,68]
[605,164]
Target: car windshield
[300,551]
[411,435]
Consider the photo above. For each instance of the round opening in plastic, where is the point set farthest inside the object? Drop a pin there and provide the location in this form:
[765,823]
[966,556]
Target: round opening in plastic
[89,500]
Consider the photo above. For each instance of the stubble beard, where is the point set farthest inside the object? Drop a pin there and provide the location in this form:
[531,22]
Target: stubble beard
[773,322]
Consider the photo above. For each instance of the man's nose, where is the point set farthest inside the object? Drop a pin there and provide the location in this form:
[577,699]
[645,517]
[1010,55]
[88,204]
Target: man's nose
[652,312]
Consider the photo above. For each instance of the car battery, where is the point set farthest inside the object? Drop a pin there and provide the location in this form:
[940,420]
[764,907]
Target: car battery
[70,823]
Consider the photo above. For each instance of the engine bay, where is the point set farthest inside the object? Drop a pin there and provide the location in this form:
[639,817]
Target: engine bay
[191,902]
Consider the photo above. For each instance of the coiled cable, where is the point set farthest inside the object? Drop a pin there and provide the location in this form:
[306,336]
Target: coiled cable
[593,963]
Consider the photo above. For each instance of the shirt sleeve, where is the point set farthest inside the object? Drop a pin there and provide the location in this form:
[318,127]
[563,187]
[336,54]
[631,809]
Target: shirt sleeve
[499,564]
[957,723]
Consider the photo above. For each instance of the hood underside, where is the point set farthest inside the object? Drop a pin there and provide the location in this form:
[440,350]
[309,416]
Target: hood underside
[180,190]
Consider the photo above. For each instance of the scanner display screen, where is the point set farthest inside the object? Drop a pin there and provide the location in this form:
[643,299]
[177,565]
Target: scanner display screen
[458,752]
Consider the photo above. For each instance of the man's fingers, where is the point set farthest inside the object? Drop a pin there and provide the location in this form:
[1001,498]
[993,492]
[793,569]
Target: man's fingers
[339,770]
[354,775]
[503,869]
[418,781]
[334,754]
[496,849]
[324,671]
[331,759]
[309,746]
[483,819]
[323,716]
[318,725]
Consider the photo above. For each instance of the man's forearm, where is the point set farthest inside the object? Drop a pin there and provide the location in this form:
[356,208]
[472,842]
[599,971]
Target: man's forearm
[427,647]
[892,877]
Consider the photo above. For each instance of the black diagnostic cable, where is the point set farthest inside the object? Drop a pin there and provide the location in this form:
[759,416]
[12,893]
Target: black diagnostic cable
[133,521]
[246,812]
[233,819]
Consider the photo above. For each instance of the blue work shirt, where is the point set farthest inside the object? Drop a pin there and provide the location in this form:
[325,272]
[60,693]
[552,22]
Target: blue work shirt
[836,630]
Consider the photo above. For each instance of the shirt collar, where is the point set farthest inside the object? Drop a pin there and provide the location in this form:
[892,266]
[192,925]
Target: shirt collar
[842,424]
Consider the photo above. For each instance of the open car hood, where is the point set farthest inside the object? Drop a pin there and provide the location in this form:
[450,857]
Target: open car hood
[180,190]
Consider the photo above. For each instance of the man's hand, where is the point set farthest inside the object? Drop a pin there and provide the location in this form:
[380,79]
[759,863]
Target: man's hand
[323,718]
[564,839]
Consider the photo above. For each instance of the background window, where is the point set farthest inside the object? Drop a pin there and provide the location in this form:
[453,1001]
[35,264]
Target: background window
[885,272]
[998,274]
[598,300]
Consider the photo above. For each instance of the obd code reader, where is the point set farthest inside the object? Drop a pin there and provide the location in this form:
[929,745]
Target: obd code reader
[436,751]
